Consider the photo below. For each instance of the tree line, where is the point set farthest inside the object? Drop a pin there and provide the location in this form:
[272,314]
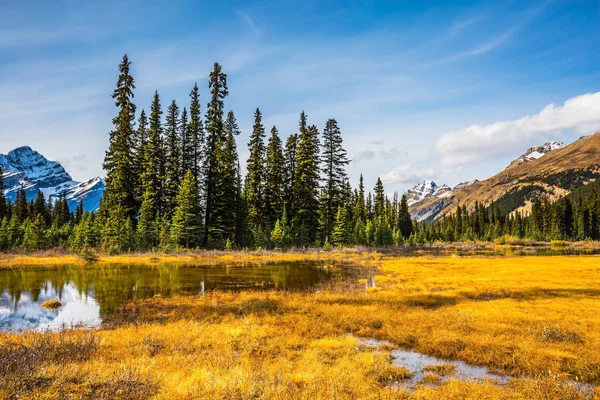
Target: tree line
[173,180]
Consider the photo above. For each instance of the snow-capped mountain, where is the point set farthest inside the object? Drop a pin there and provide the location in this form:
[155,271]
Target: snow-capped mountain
[25,166]
[425,190]
[535,152]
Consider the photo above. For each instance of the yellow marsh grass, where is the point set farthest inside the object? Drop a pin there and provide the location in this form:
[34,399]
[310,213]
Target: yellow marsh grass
[536,318]
[203,257]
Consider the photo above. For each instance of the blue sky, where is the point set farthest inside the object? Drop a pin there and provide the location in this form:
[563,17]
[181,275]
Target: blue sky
[448,91]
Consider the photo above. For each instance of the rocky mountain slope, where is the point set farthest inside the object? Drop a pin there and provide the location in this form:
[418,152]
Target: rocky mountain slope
[535,152]
[551,171]
[25,166]
[425,190]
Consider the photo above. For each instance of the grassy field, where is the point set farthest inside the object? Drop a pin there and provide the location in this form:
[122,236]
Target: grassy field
[536,319]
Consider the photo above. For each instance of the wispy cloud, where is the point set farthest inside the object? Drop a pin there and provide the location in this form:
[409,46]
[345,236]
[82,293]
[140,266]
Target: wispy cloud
[483,142]
[249,22]
[366,155]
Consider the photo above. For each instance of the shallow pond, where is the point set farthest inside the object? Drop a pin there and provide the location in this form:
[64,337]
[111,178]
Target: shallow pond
[429,370]
[88,294]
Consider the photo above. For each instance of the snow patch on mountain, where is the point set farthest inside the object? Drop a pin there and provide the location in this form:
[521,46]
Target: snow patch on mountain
[425,190]
[25,166]
[535,152]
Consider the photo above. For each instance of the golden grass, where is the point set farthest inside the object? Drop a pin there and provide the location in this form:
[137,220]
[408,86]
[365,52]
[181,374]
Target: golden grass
[536,318]
[51,258]
[52,304]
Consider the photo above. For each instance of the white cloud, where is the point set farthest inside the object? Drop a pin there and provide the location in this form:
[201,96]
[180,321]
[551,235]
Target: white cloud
[477,143]
[407,174]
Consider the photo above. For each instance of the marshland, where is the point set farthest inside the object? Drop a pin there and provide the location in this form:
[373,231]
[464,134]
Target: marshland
[303,325]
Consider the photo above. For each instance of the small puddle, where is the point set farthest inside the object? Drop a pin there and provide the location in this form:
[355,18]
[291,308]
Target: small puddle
[428,370]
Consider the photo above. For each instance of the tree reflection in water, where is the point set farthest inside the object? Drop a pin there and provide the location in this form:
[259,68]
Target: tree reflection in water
[93,292]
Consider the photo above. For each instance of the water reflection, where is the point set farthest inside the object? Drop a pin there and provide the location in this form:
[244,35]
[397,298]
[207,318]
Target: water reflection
[89,294]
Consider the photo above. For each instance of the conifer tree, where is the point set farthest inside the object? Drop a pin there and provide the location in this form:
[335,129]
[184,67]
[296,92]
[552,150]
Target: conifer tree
[173,158]
[21,211]
[305,220]
[277,234]
[139,163]
[379,205]
[153,160]
[229,190]
[118,162]
[195,133]
[186,226]
[186,151]
[213,234]
[334,159]
[404,219]
[255,175]
[359,202]
[3,205]
[274,179]
[339,234]
[291,147]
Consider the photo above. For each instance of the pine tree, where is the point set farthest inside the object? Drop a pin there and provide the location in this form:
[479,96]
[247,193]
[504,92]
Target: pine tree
[229,190]
[339,234]
[195,133]
[305,220]
[404,219]
[3,206]
[291,147]
[359,204]
[173,158]
[79,212]
[139,163]
[213,234]
[152,178]
[186,226]
[379,206]
[187,151]
[21,211]
[277,234]
[255,175]
[334,159]
[274,192]
[118,162]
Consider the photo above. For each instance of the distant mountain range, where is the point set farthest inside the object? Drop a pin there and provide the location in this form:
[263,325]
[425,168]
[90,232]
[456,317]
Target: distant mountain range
[25,166]
[551,170]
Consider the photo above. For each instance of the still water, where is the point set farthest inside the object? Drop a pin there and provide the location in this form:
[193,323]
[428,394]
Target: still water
[88,294]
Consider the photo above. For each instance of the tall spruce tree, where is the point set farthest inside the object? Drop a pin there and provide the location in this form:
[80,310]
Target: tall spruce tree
[186,152]
[289,154]
[213,231]
[255,176]
[141,145]
[154,160]
[228,172]
[334,160]
[305,188]
[186,225]
[173,157]
[3,205]
[150,209]
[119,194]
[195,133]
[274,180]
[404,219]
[379,203]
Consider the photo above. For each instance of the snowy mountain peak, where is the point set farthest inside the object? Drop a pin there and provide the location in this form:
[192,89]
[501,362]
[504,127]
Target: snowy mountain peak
[25,166]
[424,190]
[535,152]
[39,170]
